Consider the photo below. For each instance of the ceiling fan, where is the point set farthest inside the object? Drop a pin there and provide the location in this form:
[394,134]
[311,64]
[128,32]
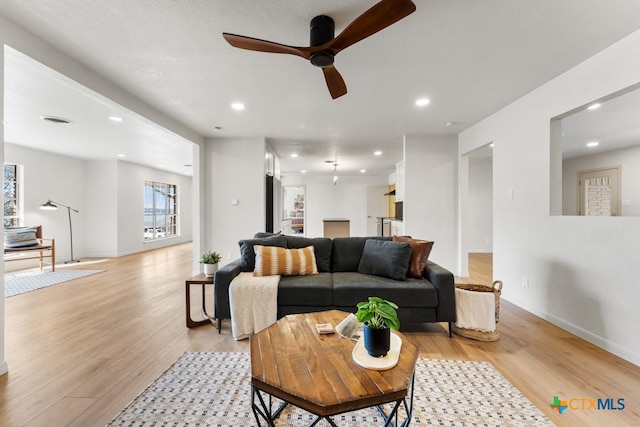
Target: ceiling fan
[324,46]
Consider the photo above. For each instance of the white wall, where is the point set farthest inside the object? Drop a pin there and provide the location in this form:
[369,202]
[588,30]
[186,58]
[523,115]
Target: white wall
[101,208]
[430,194]
[235,170]
[347,199]
[582,271]
[629,161]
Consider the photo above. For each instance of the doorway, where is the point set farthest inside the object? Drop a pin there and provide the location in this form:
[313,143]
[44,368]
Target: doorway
[294,212]
[599,191]
[476,206]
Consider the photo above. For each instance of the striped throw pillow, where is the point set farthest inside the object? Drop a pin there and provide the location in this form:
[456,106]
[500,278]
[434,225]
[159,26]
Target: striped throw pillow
[272,260]
[21,237]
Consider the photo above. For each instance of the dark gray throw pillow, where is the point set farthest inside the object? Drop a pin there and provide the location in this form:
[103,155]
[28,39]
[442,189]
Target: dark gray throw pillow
[386,259]
[249,256]
[321,246]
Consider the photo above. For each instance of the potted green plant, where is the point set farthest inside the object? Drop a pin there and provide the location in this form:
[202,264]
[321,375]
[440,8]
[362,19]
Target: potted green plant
[379,317]
[210,261]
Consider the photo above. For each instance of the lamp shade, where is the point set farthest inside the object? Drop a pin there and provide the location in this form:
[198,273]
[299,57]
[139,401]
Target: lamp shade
[49,206]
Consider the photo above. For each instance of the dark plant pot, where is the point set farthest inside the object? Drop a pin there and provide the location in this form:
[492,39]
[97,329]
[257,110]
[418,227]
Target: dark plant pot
[377,341]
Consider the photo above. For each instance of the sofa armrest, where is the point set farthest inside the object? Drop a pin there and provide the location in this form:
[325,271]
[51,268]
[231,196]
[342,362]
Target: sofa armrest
[442,279]
[222,279]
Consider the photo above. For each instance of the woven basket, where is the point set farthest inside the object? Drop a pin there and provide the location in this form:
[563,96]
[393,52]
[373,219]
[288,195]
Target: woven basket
[496,288]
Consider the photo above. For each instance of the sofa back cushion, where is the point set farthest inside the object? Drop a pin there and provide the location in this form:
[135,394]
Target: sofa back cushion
[347,252]
[247,252]
[322,247]
[272,260]
[386,259]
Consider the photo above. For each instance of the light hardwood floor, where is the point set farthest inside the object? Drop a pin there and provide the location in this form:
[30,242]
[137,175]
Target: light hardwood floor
[78,352]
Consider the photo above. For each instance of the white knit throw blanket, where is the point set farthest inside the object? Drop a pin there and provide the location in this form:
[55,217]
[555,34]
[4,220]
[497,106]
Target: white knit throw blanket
[476,310]
[254,304]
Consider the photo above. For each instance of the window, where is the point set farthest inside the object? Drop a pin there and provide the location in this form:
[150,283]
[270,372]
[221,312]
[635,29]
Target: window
[160,210]
[12,199]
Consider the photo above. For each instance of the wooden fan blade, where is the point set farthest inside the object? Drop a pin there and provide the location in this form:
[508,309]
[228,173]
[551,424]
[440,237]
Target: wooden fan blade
[379,17]
[249,43]
[335,82]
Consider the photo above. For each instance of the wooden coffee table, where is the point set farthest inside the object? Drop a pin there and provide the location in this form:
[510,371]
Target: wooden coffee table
[292,362]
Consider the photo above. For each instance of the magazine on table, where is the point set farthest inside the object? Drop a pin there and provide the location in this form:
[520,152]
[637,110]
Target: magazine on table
[350,328]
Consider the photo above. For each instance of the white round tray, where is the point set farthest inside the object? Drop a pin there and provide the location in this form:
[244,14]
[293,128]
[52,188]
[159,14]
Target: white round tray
[362,358]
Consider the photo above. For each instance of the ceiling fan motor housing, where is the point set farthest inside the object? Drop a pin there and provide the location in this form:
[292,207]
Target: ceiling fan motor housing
[322,31]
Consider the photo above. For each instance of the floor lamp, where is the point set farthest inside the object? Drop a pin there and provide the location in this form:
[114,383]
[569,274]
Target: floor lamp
[51,206]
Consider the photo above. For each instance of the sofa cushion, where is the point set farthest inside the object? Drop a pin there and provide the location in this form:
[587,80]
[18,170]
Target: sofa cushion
[352,288]
[321,245]
[313,290]
[420,250]
[20,237]
[387,259]
[272,260]
[347,252]
[248,254]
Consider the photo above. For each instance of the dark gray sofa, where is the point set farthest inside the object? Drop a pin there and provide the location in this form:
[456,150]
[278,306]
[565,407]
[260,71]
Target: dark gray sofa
[339,285]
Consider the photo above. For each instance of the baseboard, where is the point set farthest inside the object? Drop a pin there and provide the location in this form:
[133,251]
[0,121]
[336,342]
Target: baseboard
[594,339]
[586,335]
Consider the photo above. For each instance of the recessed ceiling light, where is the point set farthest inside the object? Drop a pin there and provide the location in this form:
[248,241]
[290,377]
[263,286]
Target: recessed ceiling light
[121,155]
[160,166]
[594,106]
[422,102]
[377,153]
[491,145]
[593,144]
[303,171]
[115,119]
[238,106]
[294,155]
[363,171]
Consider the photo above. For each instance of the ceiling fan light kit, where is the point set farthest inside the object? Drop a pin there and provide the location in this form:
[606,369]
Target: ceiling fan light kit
[324,46]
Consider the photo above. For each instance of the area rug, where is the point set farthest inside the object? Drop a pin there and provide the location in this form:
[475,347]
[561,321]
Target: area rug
[30,280]
[213,389]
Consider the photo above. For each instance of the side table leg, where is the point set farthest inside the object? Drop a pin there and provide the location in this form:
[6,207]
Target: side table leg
[190,322]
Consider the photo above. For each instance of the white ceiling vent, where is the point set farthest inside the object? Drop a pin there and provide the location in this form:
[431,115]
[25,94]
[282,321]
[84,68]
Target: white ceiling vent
[56,120]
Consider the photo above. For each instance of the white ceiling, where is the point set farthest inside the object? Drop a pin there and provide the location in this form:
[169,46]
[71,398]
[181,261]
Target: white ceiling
[469,57]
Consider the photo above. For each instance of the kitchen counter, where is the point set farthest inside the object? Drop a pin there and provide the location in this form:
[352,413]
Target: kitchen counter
[389,226]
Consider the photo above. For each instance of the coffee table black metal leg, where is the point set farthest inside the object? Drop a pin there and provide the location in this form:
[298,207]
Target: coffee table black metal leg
[394,412]
[263,411]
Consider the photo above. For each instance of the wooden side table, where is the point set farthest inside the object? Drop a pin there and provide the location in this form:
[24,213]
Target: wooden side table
[203,281]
